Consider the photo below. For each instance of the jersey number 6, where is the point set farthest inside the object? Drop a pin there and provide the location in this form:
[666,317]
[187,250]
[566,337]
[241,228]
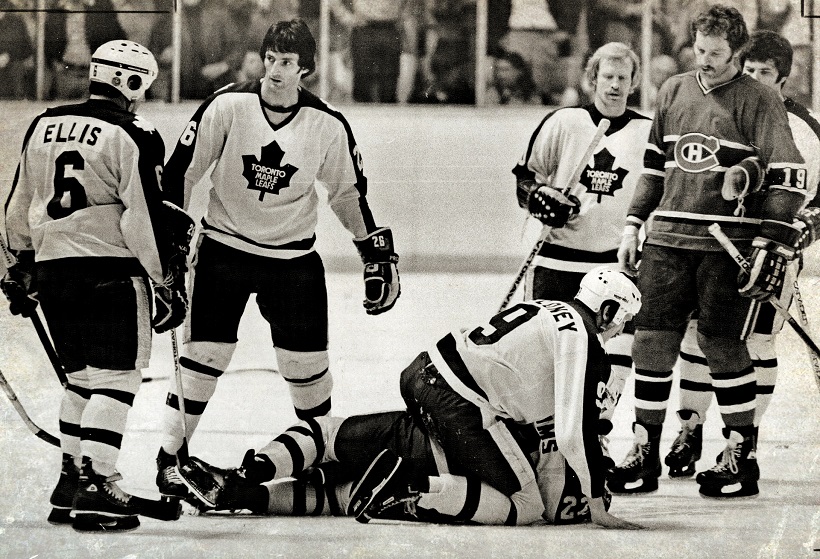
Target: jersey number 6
[69,194]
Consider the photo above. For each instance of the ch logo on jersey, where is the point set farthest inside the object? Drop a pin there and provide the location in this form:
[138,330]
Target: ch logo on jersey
[604,179]
[267,174]
[696,153]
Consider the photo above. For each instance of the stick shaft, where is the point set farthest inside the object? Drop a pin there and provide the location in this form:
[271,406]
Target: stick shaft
[804,319]
[21,411]
[182,453]
[603,126]
[730,247]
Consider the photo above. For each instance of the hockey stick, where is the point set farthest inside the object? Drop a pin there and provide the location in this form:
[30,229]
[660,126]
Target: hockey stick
[729,246]
[38,432]
[38,324]
[804,319]
[182,453]
[603,126]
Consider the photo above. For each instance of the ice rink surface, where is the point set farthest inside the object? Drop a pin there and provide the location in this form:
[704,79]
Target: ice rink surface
[441,177]
[367,354]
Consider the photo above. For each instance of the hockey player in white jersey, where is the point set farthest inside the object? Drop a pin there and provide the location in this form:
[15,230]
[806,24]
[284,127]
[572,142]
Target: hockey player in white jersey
[767,57]
[264,145]
[501,427]
[87,220]
[586,222]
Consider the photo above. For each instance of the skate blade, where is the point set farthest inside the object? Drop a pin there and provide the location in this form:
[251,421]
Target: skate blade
[686,472]
[102,523]
[645,485]
[60,516]
[734,491]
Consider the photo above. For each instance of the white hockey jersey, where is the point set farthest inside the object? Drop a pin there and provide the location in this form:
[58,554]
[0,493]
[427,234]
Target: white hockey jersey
[264,199]
[87,185]
[605,188]
[537,363]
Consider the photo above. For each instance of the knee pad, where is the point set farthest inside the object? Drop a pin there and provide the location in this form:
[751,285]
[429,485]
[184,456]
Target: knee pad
[309,380]
[209,355]
[656,350]
[301,366]
[122,381]
[724,354]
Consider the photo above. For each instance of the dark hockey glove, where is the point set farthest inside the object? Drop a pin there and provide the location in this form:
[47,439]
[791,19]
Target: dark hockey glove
[171,302]
[18,287]
[180,228]
[381,273]
[551,207]
[772,250]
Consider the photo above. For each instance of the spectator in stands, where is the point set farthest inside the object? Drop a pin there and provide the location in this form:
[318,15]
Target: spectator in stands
[383,47]
[447,73]
[191,84]
[661,68]
[549,49]
[16,52]
[512,82]
[70,38]
[223,26]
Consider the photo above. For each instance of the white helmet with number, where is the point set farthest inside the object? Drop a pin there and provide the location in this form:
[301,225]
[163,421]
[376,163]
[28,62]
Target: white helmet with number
[125,65]
[605,284]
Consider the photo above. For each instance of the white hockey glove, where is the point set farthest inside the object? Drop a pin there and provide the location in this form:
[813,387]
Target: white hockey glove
[551,207]
[17,285]
[808,221]
[744,178]
[381,273]
[771,252]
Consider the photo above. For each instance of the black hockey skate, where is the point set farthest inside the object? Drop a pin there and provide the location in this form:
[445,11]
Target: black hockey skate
[604,429]
[226,489]
[62,498]
[100,505]
[686,448]
[168,481]
[737,472]
[383,491]
[641,468]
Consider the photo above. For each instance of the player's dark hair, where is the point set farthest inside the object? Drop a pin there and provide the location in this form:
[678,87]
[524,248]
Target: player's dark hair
[768,45]
[291,36]
[719,20]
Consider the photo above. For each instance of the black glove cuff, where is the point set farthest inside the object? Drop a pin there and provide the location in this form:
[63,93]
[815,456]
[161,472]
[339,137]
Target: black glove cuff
[523,190]
[377,246]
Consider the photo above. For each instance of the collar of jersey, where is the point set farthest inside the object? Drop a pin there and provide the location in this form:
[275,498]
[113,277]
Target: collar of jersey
[278,109]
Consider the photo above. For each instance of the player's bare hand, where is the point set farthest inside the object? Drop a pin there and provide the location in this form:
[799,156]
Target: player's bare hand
[628,254]
[601,517]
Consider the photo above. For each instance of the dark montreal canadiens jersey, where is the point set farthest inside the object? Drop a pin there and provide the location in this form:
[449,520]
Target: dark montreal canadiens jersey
[605,188]
[697,134]
[263,197]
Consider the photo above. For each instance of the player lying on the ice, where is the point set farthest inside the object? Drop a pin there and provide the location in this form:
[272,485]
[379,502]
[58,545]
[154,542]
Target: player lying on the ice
[501,428]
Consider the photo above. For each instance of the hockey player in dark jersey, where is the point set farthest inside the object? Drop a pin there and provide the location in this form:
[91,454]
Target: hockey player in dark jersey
[87,220]
[586,223]
[501,426]
[767,57]
[712,125]
[264,145]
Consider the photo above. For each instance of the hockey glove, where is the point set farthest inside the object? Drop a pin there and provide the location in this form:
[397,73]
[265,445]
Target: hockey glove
[17,285]
[381,274]
[551,207]
[771,252]
[808,221]
[180,228]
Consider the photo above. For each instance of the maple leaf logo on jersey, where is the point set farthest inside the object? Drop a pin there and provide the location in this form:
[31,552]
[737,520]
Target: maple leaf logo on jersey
[605,178]
[267,174]
[140,122]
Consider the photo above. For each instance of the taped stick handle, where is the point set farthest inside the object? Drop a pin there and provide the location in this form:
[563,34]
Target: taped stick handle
[730,247]
[603,126]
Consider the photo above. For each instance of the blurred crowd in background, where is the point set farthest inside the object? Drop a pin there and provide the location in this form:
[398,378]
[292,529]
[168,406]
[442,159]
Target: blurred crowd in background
[382,51]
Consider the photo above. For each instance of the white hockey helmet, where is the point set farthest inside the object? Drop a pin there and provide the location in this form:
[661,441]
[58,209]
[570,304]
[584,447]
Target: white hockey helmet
[127,66]
[605,284]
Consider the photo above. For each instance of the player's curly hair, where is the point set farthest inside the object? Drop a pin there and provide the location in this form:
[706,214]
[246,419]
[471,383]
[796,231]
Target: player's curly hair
[719,20]
[291,36]
[768,45]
